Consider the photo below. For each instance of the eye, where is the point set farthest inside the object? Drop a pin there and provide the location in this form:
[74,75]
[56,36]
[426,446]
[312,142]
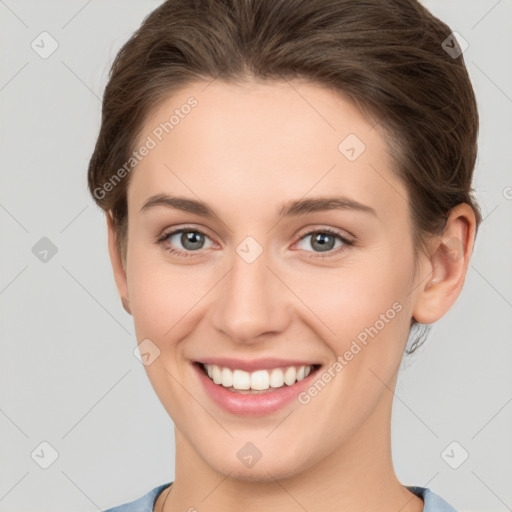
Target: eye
[190,239]
[193,239]
[324,241]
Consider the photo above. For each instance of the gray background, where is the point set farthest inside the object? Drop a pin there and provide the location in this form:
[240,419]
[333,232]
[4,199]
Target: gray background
[68,373]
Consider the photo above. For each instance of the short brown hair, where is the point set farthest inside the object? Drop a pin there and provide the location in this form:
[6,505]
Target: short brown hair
[386,56]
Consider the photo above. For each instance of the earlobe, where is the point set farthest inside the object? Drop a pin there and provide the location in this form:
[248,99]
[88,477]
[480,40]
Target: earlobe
[117,264]
[126,305]
[445,271]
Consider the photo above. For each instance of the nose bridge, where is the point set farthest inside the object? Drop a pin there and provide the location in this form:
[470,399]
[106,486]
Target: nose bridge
[251,300]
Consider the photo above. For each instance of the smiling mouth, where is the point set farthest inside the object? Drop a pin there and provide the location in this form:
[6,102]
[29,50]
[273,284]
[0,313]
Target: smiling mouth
[259,381]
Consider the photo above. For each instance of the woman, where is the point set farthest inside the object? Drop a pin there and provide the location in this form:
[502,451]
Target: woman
[287,188]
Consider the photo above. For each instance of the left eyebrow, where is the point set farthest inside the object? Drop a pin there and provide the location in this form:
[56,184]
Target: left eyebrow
[289,209]
[303,206]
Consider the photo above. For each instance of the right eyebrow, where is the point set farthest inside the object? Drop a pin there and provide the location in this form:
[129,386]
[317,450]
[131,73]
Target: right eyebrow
[179,203]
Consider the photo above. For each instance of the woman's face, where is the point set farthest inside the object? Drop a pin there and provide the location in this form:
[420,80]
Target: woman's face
[264,278]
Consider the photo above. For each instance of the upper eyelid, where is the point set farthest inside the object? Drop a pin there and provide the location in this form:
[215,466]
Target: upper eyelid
[173,231]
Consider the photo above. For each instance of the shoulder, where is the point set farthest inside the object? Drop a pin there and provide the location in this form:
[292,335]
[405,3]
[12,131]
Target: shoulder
[432,502]
[143,504]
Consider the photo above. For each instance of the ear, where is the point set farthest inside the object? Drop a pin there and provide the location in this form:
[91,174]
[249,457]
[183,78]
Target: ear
[446,267]
[117,264]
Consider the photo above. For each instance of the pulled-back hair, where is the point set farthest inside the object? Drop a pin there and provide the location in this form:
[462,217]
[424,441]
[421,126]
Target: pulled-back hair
[390,58]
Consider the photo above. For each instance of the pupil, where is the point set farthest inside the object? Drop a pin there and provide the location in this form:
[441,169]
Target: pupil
[191,240]
[321,239]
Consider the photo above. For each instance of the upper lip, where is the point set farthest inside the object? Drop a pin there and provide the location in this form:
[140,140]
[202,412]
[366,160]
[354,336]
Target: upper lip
[254,364]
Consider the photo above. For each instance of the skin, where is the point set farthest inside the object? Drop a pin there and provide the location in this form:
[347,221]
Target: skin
[246,150]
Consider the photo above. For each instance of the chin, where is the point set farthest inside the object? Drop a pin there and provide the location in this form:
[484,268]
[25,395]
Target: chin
[266,469]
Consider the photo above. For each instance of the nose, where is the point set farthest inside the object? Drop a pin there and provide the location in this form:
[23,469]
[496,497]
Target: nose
[251,302]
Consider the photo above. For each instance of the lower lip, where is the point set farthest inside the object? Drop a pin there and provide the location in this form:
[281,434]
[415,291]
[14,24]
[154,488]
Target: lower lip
[247,404]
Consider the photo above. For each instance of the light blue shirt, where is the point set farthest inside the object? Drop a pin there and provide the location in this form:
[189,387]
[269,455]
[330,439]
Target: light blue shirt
[432,502]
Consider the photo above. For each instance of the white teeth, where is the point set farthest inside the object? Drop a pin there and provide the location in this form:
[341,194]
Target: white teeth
[276,378]
[227,377]
[217,375]
[290,376]
[258,380]
[241,379]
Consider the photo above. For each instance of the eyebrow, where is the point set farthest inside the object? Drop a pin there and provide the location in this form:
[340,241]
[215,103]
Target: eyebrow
[289,209]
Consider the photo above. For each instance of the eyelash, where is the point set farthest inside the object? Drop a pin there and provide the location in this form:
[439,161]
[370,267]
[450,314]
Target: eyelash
[186,254]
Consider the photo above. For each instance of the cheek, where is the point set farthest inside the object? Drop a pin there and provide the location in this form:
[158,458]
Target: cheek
[362,313]
[365,322]
[357,294]
[164,297]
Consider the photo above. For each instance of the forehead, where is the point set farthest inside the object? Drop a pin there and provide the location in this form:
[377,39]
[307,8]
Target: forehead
[253,141]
